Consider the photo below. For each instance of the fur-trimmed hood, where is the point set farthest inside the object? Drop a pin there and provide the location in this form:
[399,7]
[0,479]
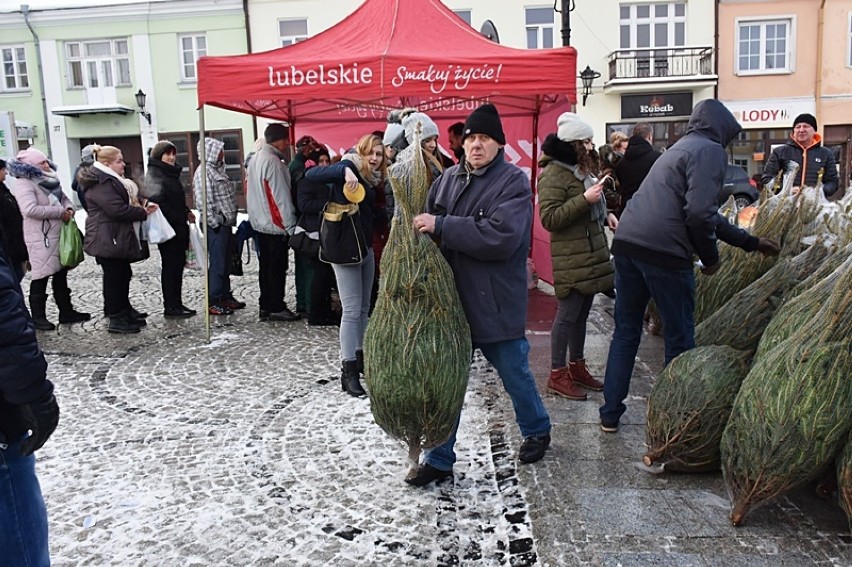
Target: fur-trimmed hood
[19,169]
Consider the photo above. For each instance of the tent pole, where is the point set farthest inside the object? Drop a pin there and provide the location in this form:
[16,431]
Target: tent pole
[534,167]
[202,157]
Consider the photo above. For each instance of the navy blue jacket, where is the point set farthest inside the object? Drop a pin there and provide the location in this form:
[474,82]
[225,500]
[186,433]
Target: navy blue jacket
[674,215]
[23,368]
[334,175]
[483,225]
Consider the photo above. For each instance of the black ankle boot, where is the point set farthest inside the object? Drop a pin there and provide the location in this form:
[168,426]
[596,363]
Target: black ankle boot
[67,313]
[350,380]
[38,306]
[359,360]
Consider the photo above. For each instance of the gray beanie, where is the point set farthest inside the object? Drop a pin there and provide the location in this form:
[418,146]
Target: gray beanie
[87,154]
[392,132]
[572,128]
[428,128]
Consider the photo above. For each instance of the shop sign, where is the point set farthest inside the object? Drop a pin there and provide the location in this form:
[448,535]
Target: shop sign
[656,105]
[778,113]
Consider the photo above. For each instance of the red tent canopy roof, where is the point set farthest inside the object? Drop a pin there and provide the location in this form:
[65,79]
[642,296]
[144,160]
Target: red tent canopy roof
[372,61]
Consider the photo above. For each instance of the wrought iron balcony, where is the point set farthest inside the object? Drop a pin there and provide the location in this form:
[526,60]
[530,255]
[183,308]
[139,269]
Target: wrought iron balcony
[659,63]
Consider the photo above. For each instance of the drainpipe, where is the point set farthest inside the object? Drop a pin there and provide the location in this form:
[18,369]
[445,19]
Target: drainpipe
[716,52]
[818,81]
[248,50]
[25,10]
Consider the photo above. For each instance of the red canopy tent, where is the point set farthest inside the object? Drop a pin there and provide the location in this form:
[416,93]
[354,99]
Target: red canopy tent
[353,73]
[372,61]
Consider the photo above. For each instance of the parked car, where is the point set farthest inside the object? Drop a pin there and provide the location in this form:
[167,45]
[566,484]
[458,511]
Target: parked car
[740,185]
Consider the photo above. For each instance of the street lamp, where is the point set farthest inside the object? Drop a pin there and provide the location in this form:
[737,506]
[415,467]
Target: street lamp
[140,102]
[588,76]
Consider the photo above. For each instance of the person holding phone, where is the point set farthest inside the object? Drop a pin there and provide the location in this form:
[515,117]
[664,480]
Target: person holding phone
[573,210]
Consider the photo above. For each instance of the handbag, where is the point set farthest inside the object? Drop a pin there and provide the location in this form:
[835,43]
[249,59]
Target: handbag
[159,229]
[341,239]
[304,242]
[70,244]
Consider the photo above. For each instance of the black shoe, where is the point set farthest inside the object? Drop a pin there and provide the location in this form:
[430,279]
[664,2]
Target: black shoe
[123,325]
[177,313]
[42,324]
[283,315]
[426,473]
[137,314]
[533,448]
[73,317]
[186,309]
[322,322]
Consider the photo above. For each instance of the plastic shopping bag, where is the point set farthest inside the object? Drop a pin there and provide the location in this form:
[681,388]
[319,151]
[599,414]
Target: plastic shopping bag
[70,244]
[159,229]
[195,252]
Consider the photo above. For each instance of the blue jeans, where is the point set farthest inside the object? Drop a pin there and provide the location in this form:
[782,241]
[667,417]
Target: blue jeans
[218,274]
[635,283]
[511,359]
[354,285]
[23,515]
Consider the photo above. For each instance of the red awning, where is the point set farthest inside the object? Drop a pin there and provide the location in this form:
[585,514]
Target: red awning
[374,60]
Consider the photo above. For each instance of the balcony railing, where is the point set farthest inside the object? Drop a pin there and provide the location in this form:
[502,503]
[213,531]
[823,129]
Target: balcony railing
[682,62]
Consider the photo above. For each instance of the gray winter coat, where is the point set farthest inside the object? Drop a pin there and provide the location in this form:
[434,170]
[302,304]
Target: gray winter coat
[674,215]
[484,223]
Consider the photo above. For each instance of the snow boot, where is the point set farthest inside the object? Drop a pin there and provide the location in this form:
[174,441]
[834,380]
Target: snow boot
[350,380]
[38,306]
[67,314]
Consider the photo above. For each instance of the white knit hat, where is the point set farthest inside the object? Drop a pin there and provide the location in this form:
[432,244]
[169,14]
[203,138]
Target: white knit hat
[570,128]
[428,128]
[393,131]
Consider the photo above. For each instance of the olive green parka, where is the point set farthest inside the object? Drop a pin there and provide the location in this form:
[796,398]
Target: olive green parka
[578,245]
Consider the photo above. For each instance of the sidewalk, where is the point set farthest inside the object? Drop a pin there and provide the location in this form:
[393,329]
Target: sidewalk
[244,451]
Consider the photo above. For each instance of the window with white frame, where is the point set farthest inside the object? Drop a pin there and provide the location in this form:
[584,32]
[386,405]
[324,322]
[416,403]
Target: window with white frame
[643,26]
[98,63]
[464,14]
[292,31]
[14,68]
[763,46]
[192,47]
[540,26]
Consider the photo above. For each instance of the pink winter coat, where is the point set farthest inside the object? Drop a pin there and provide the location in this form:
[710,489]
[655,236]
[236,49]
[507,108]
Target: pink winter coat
[42,222]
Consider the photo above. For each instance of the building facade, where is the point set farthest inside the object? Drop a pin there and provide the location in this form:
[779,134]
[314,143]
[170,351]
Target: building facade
[72,76]
[787,57]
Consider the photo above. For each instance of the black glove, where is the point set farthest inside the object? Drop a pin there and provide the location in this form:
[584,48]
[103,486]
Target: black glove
[710,270]
[41,418]
[768,247]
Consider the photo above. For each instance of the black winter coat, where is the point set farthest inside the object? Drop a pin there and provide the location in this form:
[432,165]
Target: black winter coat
[632,169]
[163,186]
[13,225]
[23,368]
[813,161]
[312,196]
[110,232]
[674,215]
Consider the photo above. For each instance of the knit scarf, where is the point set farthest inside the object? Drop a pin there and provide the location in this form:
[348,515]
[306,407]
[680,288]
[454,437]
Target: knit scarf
[374,178]
[563,154]
[139,228]
[49,183]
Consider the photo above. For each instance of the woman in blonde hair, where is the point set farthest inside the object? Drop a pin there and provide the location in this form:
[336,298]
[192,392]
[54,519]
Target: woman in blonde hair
[114,233]
[366,168]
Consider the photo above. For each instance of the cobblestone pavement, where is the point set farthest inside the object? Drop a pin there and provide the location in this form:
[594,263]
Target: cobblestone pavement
[244,451]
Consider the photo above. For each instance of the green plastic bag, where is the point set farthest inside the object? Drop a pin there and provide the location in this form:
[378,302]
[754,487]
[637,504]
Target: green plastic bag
[70,245]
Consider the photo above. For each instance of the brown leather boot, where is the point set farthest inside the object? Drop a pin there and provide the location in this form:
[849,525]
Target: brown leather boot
[580,375]
[560,383]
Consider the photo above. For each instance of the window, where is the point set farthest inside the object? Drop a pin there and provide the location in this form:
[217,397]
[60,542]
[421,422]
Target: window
[95,64]
[539,27]
[14,69]
[191,48]
[292,31]
[464,14]
[762,46]
[187,156]
[652,25]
